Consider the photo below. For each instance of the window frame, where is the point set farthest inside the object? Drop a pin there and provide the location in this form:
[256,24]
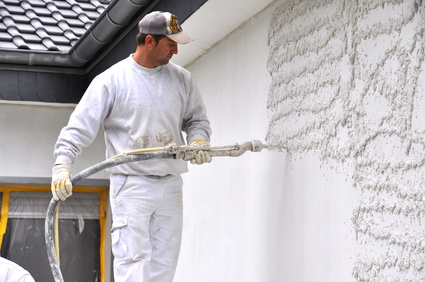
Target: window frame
[6,189]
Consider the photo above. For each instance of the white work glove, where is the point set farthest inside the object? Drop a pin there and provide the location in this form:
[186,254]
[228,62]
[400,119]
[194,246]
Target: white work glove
[202,156]
[61,182]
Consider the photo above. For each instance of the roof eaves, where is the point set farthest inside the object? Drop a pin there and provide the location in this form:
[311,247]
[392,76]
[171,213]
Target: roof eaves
[115,18]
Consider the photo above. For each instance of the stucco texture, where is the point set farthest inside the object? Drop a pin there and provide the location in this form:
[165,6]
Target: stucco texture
[348,85]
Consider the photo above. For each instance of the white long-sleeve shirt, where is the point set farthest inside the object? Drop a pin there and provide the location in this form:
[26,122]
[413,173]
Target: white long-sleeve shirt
[139,108]
[10,271]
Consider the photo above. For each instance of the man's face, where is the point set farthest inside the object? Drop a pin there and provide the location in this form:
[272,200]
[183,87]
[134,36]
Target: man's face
[164,50]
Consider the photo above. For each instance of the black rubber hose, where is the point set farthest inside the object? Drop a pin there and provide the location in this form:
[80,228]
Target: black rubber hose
[49,223]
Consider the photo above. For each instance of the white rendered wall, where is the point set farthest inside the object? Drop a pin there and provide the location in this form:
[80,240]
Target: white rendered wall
[237,209]
[28,132]
[259,217]
[347,84]
[341,85]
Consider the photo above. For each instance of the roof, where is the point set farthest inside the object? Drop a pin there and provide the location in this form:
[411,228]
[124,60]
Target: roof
[63,33]
[46,25]
[51,49]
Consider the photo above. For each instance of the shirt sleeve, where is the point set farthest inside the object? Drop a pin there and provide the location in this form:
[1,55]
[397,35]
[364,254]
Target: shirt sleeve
[196,124]
[84,122]
[26,277]
[10,271]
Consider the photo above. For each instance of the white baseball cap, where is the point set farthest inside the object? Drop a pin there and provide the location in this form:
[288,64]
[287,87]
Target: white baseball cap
[164,23]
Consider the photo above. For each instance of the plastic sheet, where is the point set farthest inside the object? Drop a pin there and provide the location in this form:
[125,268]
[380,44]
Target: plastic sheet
[79,235]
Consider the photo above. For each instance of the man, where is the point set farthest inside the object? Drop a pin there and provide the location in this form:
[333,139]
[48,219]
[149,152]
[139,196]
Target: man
[143,101]
[10,271]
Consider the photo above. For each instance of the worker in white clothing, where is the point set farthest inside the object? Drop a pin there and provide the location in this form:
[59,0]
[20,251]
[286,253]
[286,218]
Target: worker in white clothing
[142,101]
[10,271]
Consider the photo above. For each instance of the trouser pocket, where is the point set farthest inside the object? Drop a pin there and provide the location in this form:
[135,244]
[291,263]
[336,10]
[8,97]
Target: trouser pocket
[119,250]
[117,182]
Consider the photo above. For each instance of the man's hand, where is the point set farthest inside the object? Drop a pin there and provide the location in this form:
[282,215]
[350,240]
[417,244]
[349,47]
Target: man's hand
[61,182]
[202,156]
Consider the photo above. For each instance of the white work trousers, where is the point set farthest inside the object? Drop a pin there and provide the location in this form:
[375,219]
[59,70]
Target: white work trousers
[147,214]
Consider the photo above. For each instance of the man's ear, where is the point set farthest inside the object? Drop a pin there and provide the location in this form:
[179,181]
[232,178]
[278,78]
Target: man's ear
[150,41]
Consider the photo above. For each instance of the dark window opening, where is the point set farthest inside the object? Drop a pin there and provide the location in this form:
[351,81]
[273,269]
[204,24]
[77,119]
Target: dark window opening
[79,235]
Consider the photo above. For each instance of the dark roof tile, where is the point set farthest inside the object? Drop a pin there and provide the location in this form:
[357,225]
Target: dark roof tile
[11,1]
[47,20]
[7,44]
[38,3]
[79,31]
[36,46]
[12,30]
[21,19]
[45,24]
[93,15]
[53,30]
[62,4]
[75,22]
[69,14]
[87,6]
[41,11]
[4,36]
[16,10]
[59,40]
[49,44]
[25,28]
[31,38]
[20,42]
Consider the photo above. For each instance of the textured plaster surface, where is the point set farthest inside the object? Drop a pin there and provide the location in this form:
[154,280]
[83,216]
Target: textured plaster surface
[348,84]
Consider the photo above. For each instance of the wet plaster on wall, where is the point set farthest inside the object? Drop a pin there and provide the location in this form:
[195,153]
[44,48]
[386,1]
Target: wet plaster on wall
[348,83]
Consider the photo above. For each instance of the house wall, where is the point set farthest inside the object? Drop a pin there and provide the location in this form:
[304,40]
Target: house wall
[28,132]
[340,84]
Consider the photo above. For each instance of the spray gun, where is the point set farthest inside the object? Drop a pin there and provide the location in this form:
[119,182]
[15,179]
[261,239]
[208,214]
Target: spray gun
[171,151]
[187,152]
